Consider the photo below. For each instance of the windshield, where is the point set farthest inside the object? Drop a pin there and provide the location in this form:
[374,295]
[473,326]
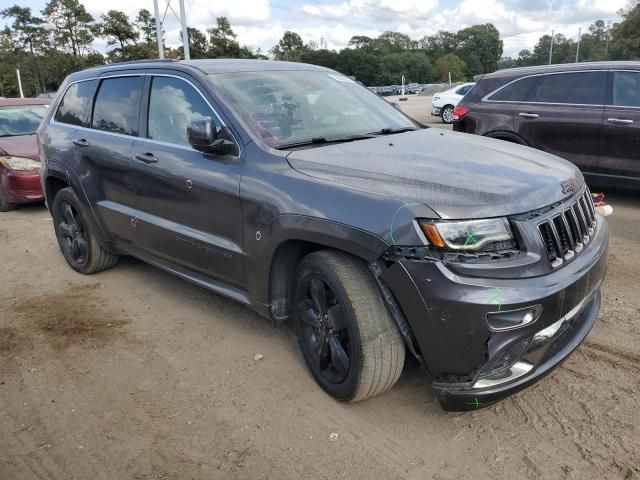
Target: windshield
[21,119]
[287,107]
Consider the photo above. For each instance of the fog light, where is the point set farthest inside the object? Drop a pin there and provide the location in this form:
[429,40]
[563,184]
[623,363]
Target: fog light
[501,365]
[513,318]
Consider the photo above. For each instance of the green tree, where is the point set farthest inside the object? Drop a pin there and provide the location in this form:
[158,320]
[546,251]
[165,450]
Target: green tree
[322,57]
[222,41]
[198,44]
[117,29]
[395,42]
[26,32]
[451,63]
[289,48]
[72,25]
[440,44]
[146,25]
[480,47]
[625,36]
[363,42]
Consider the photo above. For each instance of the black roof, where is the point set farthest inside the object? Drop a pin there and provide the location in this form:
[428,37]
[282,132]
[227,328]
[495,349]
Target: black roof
[207,66]
[562,67]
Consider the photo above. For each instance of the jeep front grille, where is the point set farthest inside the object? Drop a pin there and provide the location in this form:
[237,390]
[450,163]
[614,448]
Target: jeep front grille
[566,233]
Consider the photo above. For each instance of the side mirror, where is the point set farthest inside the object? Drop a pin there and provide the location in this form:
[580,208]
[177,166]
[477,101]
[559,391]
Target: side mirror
[206,138]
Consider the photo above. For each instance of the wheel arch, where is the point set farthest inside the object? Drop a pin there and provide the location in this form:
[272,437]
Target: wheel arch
[293,237]
[52,185]
[506,136]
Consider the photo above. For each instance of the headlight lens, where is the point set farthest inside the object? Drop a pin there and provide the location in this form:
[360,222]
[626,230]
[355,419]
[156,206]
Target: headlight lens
[19,163]
[470,235]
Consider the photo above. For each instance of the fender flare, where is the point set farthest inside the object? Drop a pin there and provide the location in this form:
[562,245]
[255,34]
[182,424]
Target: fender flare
[505,135]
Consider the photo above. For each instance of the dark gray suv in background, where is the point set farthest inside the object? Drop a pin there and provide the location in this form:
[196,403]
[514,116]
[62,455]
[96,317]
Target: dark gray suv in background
[588,113]
[294,190]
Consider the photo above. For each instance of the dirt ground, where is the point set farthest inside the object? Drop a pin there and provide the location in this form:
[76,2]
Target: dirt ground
[135,374]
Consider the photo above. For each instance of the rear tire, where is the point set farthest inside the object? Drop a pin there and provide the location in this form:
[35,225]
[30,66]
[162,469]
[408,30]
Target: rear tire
[348,339]
[76,236]
[446,114]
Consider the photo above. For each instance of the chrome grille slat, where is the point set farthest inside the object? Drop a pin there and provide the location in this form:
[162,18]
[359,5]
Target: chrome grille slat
[565,234]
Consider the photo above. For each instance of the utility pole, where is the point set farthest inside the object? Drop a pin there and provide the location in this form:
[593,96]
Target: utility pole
[551,49]
[158,30]
[19,83]
[185,33]
[578,49]
[606,45]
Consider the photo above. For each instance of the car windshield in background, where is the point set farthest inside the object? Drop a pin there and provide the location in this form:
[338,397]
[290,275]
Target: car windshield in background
[295,107]
[21,119]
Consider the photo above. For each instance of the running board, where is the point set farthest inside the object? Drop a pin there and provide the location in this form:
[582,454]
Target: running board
[193,277]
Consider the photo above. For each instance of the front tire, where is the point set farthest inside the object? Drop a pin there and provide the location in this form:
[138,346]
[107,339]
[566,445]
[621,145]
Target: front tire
[446,114]
[347,337]
[76,236]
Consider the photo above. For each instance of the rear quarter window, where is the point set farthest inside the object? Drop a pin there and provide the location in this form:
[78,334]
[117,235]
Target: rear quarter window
[516,91]
[75,106]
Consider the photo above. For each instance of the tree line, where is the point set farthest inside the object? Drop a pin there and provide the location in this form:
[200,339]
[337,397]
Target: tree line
[59,41]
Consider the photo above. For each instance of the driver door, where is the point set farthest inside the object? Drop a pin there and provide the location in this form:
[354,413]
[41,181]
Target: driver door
[188,210]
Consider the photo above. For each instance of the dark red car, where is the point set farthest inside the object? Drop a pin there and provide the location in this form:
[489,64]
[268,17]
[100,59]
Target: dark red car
[19,160]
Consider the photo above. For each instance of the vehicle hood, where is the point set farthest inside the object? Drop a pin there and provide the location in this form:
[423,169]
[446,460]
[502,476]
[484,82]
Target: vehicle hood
[457,175]
[20,146]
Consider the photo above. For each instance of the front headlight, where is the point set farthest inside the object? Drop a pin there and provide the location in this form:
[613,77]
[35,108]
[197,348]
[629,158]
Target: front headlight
[470,235]
[19,163]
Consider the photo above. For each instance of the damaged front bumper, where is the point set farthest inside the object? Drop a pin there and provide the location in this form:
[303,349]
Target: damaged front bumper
[472,363]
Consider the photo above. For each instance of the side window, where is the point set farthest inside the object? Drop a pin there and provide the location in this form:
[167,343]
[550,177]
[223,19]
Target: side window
[75,106]
[517,91]
[580,87]
[173,104]
[626,89]
[117,105]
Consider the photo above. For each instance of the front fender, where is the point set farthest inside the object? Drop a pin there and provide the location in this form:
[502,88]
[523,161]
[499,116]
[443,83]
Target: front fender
[302,228]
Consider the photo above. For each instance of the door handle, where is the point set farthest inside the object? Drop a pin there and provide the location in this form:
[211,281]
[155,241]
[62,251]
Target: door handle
[620,121]
[146,157]
[80,142]
[528,115]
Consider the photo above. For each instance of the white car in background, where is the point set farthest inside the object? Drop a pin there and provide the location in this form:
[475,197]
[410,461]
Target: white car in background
[443,103]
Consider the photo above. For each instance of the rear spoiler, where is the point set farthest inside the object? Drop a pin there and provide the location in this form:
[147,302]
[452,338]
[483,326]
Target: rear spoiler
[477,78]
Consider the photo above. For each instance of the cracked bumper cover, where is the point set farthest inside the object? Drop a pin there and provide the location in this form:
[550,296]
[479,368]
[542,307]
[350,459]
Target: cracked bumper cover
[447,315]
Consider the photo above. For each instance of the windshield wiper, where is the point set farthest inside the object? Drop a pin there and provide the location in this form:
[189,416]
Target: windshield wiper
[392,131]
[323,140]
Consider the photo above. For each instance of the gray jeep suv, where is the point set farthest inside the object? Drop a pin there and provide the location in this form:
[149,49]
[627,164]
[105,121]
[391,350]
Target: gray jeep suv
[294,190]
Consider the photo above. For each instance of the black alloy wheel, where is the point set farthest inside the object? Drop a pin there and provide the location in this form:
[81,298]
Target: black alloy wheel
[72,235]
[325,335]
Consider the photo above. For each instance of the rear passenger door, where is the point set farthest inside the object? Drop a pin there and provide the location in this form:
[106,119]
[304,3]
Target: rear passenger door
[188,203]
[102,152]
[620,152]
[563,116]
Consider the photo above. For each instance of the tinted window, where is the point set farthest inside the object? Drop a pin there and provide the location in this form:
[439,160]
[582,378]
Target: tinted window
[517,91]
[626,89]
[117,105]
[21,120]
[75,105]
[581,87]
[173,103]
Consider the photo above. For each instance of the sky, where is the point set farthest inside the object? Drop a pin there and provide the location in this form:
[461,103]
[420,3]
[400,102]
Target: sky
[261,23]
